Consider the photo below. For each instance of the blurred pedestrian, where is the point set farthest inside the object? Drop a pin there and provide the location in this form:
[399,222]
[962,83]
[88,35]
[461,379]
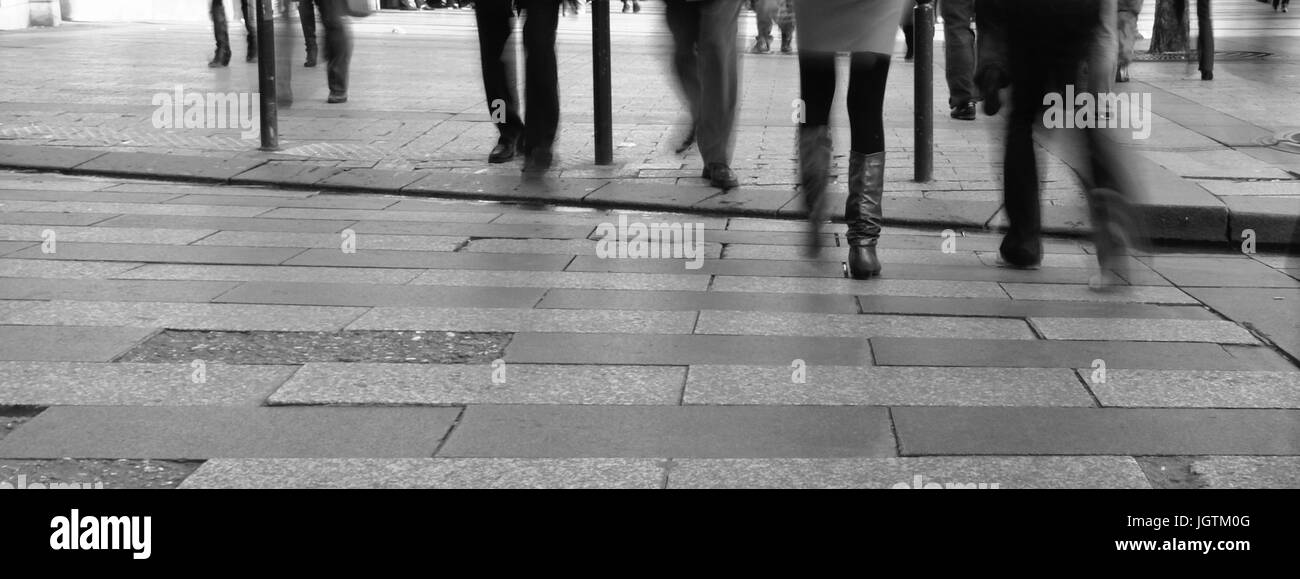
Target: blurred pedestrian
[1104,53]
[338,43]
[220,28]
[635,6]
[1284,4]
[1127,31]
[909,29]
[767,13]
[534,139]
[959,56]
[866,29]
[1043,44]
[707,64]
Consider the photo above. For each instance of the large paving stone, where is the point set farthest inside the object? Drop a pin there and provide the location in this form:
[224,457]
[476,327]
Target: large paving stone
[228,223]
[370,180]
[334,241]
[1053,354]
[1276,220]
[565,279]
[285,274]
[877,386]
[462,185]
[1272,312]
[162,253]
[56,158]
[1027,308]
[886,255]
[151,209]
[292,173]
[428,473]
[81,383]
[577,299]
[531,431]
[594,218]
[43,218]
[111,290]
[179,316]
[1214,331]
[858,325]
[1009,472]
[81,195]
[338,294]
[1095,431]
[315,201]
[1135,294]
[732,267]
[412,347]
[46,268]
[201,432]
[400,384]
[625,194]
[881,286]
[1188,388]
[7,247]
[1219,272]
[206,168]
[525,320]
[1251,472]
[68,343]
[584,247]
[435,219]
[520,231]
[678,350]
[441,260]
[103,234]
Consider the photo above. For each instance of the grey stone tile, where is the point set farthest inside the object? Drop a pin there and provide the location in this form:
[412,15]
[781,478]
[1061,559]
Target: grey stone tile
[266,273]
[377,215]
[15,206]
[59,158]
[837,254]
[1055,260]
[1096,431]
[529,431]
[298,347]
[576,247]
[420,260]
[111,290]
[884,386]
[577,299]
[81,383]
[201,432]
[890,287]
[1000,472]
[1214,331]
[338,294]
[1252,472]
[1271,312]
[288,172]
[736,267]
[1191,388]
[7,247]
[180,316]
[370,179]
[204,167]
[447,384]
[679,350]
[631,194]
[151,209]
[364,242]
[79,195]
[44,268]
[1054,354]
[177,189]
[594,218]
[858,325]
[563,279]
[525,320]
[525,231]
[313,202]
[67,343]
[428,473]
[162,253]
[103,234]
[1028,308]
[228,223]
[38,218]
[1062,292]
[1219,272]
[68,473]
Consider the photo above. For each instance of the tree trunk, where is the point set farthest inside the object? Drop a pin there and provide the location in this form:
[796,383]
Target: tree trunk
[1172,27]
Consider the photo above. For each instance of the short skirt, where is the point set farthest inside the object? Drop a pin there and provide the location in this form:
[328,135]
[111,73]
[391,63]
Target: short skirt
[847,25]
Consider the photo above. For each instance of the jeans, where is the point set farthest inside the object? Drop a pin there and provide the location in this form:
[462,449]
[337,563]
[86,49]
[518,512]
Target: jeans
[338,39]
[541,84]
[959,50]
[220,24]
[706,62]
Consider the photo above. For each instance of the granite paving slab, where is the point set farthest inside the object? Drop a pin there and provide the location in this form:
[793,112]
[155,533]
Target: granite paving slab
[276,173]
[585,247]
[81,195]
[876,286]
[360,242]
[431,217]
[150,209]
[594,218]
[180,316]
[679,350]
[525,320]
[1214,331]
[56,158]
[1273,312]
[534,431]
[53,269]
[879,386]
[1010,472]
[370,179]
[564,279]
[206,167]
[494,383]
[1254,472]
[1275,220]
[1219,272]
[1062,292]
[162,253]
[410,347]
[422,260]
[98,384]
[1095,431]
[228,223]
[735,267]
[68,343]
[287,274]
[111,290]
[886,255]
[859,325]
[627,299]
[475,229]
[1028,308]
[1054,354]
[40,218]
[95,474]
[314,201]
[202,432]
[339,294]
[427,473]
[103,235]
[8,247]
[1188,388]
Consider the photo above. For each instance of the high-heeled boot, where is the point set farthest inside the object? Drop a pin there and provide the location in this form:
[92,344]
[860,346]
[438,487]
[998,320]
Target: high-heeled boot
[252,49]
[863,212]
[814,169]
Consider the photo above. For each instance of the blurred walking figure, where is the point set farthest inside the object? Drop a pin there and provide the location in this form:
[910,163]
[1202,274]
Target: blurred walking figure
[636,6]
[866,29]
[1128,34]
[338,43]
[1284,4]
[780,12]
[909,28]
[220,26]
[535,138]
[707,64]
[959,56]
[1037,45]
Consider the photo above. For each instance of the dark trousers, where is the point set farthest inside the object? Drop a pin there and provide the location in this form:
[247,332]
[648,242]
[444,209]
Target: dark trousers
[220,24]
[779,12]
[1205,35]
[495,20]
[706,62]
[959,50]
[338,39]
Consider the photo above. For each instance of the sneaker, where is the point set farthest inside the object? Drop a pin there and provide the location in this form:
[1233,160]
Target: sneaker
[965,112]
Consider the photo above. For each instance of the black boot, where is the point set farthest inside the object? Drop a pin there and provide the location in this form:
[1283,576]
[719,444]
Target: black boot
[220,58]
[863,212]
[311,56]
[787,43]
[252,49]
[814,170]
[908,33]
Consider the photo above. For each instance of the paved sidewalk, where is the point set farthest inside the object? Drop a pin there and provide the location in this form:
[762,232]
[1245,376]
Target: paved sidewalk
[159,334]
[417,124]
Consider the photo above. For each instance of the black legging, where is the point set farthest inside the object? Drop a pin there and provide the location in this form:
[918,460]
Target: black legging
[866,100]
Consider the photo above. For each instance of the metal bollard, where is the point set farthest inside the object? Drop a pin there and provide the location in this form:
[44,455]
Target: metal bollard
[923,132]
[266,74]
[284,55]
[604,116]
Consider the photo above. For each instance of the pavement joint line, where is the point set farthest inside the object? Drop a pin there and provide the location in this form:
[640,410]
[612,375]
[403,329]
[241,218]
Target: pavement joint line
[446,436]
[1088,388]
[125,352]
